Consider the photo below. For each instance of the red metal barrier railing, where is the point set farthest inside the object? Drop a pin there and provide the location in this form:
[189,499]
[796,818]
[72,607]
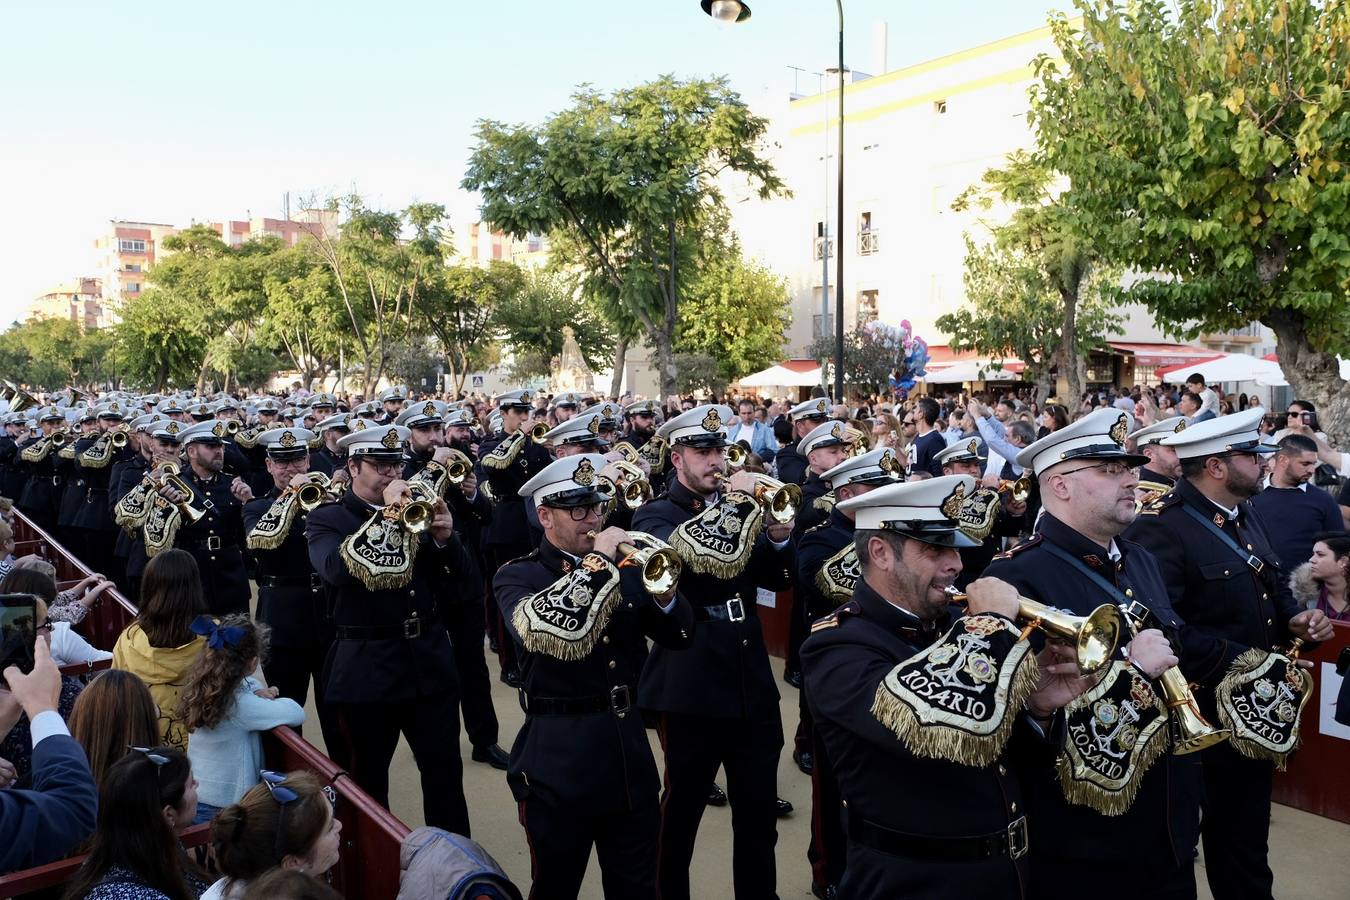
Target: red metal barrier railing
[1311,783]
[372,836]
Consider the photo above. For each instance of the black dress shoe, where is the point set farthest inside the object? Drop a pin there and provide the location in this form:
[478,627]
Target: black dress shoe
[828,892]
[804,761]
[493,755]
[511,677]
[793,677]
[783,808]
[717,796]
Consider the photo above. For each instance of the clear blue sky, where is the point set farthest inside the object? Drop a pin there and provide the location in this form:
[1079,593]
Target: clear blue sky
[166,112]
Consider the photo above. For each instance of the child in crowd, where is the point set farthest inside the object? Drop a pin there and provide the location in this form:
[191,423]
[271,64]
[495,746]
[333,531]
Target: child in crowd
[224,706]
[114,712]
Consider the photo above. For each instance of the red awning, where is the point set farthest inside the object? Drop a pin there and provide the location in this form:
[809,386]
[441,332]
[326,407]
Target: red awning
[1163,354]
[800,365]
[940,356]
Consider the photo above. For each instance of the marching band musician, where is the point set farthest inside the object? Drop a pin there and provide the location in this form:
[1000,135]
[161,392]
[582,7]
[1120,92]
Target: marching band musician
[578,434]
[826,446]
[963,458]
[75,487]
[96,463]
[425,422]
[1160,473]
[327,458]
[932,811]
[391,402]
[1149,812]
[789,463]
[291,596]
[717,701]
[42,491]
[127,473]
[580,612]
[215,539]
[565,406]
[827,572]
[508,459]
[1224,579]
[391,669]
[11,477]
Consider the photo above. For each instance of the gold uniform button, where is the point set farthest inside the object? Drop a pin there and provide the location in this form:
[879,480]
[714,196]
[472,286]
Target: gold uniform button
[1129,592]
[605,639]
[1225,571]
[1002,770]
[1270,621]
[745,643]
[1014,806]
[611,663]
[1249,547]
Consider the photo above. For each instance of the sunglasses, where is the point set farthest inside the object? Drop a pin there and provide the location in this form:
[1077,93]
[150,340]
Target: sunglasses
[159,759]
[284,796]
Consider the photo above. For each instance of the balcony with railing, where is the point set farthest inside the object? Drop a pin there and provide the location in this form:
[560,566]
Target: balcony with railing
[869,243]
[822,249]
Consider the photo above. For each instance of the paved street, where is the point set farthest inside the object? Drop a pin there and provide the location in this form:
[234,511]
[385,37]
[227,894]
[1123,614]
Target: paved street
[1307,852]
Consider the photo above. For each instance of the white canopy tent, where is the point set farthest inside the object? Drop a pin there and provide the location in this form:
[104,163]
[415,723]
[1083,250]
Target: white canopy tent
[1277,379]
[1227,367]
[971,370]
[782,376]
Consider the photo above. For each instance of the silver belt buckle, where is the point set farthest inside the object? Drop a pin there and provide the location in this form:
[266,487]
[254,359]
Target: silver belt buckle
[315,582]
[1017,838]
[735,610]
[620,700]
[213,542]
[412,628]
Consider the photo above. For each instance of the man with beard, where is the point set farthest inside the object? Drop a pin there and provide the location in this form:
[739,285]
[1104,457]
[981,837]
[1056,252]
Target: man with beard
[1225,581]
[641,423]
[565,407]
[1160,473]
[328,458]
[216,539]
[42,490]
[425,422]
[1076,562]
[392,404]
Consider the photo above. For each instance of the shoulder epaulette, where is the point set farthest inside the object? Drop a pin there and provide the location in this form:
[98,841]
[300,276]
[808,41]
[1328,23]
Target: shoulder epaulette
[1152,508]
[825,623]
[1025,545]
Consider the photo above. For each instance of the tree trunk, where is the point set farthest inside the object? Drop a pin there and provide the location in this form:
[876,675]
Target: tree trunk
[1314,375]
[620,357]
[1068,342]
[665,346]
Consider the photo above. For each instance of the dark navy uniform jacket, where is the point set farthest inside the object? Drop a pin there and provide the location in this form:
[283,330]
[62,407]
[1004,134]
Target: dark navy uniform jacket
[471,516]
[813,548]
[216,541]
[726,672]
[360,670]
[75,486]
[42,489]
[1227,606]
[790,465]
[595,762]
[11,478]
[974,560]
[1162,826]
[844,660]
[291,596]
[810,515]
[509,526]
[326,461]
[96,514]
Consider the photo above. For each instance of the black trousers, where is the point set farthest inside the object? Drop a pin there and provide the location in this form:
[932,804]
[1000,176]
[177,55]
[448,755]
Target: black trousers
[1058,878]
[748,750]
[1235,824]
[466,627]
[431,726]
[797,631]
[827,850]
[289,670]
[560,848]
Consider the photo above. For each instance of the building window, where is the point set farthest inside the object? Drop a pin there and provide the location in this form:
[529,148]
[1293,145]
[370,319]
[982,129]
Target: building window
[817,332]
[132,267]
[126,246]
[821,248]
[868,239]
[133,288]
[868,302]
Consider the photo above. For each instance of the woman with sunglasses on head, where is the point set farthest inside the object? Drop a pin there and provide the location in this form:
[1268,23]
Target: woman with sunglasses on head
[146,798]
[286,822]
[224,705]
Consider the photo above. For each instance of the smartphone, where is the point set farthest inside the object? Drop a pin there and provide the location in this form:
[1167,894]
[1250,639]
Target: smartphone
[18,631]
[1310,419]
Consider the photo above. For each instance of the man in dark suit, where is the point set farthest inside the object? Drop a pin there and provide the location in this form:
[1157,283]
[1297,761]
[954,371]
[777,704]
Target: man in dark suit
[61,810]
[789,464]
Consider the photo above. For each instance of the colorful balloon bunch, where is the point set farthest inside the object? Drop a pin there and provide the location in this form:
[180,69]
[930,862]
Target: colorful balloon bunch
[911,356]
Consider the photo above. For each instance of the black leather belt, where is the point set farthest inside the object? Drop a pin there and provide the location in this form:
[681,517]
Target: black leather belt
[619,701]
[57,479]
[406,630]
[731,611]
[1010,842]
[212,543]
[311,581]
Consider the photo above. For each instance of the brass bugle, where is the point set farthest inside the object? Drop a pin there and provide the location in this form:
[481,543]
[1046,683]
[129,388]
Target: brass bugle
[415,514]
[1192,731]
[538,431]
[661,567]
[735,456]
[232,427]
[311,494]
[190,513]
[60,438]
[118,439]
[458,468]
[19,399]
[1095,637]
[1020,489]
[781,501]
[634,489]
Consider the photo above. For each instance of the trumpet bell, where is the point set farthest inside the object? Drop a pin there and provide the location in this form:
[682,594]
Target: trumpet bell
[60,438]
[310,496]
[1020,489]
[1095,637]
[538,431]
[415,516]
[1191,731]
[119,439]
[735,456]
[660,569]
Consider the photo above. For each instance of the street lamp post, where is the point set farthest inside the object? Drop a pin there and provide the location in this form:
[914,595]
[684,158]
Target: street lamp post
[732,12]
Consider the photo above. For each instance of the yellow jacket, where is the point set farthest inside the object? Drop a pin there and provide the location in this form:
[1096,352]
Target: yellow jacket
[164,671]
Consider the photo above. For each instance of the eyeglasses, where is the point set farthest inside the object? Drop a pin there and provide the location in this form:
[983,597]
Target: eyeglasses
[385,465]
[1112,468]
[582,513]
[284,796]
[159,759]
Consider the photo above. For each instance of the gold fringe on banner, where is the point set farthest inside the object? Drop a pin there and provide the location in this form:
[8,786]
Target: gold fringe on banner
[380,554]
[655,452]
[566,619]
[1116,732]
[839,576]
[506,452]
[36,451]
[98,454]
[1261,700]
[161,526]
[131,511]
[275,525]
[721,539]
[958,700]
[825,503]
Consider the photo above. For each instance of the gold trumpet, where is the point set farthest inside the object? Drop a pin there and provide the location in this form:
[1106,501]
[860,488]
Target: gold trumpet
[661,567]
[538,431]
[1096,636]
[1192,732]
[781,501]
[60,438]
[19,399]
[311,494]
[416,513]
[735,456]
[634,489]
[459,468]
[232,427]
[171,478]
[1019,489]
[118,438]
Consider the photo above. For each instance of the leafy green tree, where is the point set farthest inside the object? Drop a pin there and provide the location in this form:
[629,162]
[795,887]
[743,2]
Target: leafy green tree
[531,322]
[699,372]
[414,364]
[1207,142]
[869,358]
[303,317]
[159,341]
[627,176]
[734,310]
[459,308]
